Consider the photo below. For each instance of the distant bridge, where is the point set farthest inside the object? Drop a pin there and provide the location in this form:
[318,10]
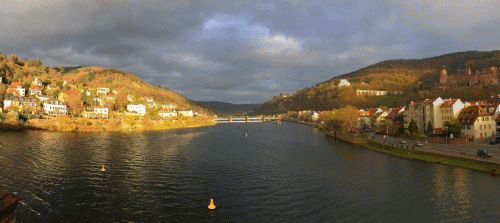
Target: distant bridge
[246,119]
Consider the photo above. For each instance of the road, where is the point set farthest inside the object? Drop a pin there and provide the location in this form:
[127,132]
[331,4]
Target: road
[466,150]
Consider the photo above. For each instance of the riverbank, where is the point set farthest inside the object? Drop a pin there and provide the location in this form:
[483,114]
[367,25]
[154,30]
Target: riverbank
[122,123]
[415,154]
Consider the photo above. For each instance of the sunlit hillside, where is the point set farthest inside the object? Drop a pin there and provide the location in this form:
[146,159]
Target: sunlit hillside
[67,81]
[404,80]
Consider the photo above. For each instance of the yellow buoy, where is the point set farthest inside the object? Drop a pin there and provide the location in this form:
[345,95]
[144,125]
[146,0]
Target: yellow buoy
[103,169]
[211,206]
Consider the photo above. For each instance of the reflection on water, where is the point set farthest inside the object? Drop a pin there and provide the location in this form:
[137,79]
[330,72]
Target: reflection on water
[277,173]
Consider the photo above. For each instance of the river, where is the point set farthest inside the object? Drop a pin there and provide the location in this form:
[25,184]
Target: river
[277,173]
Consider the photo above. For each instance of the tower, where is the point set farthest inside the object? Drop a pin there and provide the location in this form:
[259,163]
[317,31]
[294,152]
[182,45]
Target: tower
[443,76]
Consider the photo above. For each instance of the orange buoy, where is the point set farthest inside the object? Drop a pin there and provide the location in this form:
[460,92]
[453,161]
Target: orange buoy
[211,206]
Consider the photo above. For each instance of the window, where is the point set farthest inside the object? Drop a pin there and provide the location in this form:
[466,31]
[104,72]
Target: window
[481,127]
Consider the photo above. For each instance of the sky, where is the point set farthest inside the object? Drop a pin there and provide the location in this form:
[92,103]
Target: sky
[243,51]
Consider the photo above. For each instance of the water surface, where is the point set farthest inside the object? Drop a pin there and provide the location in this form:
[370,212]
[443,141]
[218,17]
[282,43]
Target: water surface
[278,173]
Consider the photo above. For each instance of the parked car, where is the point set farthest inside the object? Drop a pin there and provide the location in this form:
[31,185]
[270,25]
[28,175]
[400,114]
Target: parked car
[483,153]
[403,141]
[495,141]
[419,144]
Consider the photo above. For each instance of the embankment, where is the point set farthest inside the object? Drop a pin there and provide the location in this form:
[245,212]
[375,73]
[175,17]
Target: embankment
[414,154]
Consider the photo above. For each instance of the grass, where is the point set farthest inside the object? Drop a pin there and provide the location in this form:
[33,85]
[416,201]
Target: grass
[486,167]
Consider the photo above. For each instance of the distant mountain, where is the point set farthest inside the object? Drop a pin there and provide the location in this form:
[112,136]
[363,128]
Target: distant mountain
[412,79]
[224,108]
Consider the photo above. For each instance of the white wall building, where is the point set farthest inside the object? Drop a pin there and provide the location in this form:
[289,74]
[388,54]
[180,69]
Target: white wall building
[185,113]
[137,109]
[55,107]
[344,83]
[167,114]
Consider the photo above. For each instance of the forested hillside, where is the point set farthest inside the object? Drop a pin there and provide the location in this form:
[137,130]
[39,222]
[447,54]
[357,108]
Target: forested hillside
[72,84]
[406,79]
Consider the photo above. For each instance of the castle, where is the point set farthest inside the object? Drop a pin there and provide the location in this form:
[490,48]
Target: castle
[466,76]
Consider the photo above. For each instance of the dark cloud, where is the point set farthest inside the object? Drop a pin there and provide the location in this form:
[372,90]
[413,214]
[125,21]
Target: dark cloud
[243,51]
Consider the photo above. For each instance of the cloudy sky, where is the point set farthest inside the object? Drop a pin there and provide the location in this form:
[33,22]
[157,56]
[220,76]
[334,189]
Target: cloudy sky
[243,51]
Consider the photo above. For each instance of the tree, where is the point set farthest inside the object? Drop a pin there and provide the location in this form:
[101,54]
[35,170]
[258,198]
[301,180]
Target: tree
[61,69]
[453,127]
[74,102]
[430,128]
[412,127]
[12,117]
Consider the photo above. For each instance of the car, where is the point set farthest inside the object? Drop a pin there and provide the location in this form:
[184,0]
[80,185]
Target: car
[495,141]
[419,144]
[403,141]
[483,153]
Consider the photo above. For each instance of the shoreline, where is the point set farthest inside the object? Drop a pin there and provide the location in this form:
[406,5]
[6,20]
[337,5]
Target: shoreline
[472,164]
[122,124]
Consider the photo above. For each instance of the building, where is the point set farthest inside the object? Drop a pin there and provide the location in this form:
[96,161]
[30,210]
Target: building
[467,76]
[477,123]
[450,109]
[35,90]
[379,119]
[103,90]
[138,109]
[20,104]
[97,112]
[168,107]
[167,113]
[360,92]
[424,113]
[36,82]
[185,113]
[54,107]
[395,117]
[15,89]
[344,83]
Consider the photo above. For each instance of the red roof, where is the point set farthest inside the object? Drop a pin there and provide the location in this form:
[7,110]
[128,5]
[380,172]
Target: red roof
[449,102]
[15,84]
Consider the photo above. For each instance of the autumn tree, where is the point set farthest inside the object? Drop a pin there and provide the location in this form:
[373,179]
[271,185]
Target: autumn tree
[74,101]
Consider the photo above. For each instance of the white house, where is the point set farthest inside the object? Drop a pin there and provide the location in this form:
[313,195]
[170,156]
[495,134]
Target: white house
[151,102]
[167,114]
[21,91]
[103,90]
[169,106]
[185,113]
[97,112]
[35,90]
[360,92]
[315,116]
[344,83]
[36,82]
[137,109]
[55,107]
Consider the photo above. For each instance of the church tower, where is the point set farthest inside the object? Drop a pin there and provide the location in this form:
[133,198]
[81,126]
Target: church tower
[443,76]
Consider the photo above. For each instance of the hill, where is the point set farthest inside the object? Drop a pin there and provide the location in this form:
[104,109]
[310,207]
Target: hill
[223,108]
[77,86]
[406,79]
